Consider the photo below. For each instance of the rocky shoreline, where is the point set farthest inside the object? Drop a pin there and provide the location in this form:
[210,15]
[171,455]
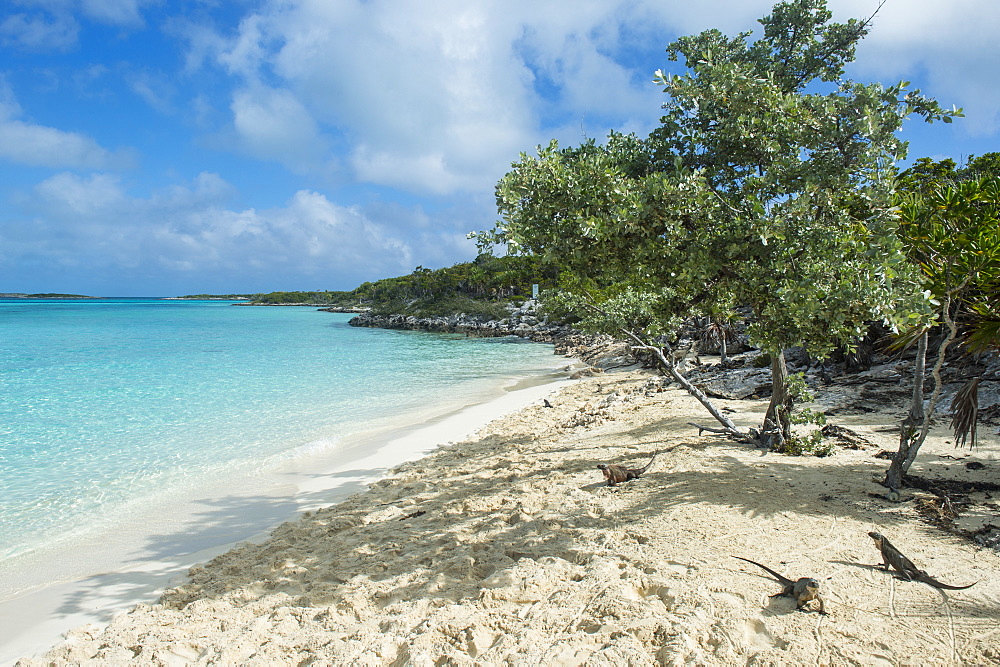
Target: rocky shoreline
[600,353]
[524,320]
[329,309]
[843,388]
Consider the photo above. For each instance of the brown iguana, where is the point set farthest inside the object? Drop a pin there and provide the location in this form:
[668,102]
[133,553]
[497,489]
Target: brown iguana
[804,590]
[615,473]
[891,557]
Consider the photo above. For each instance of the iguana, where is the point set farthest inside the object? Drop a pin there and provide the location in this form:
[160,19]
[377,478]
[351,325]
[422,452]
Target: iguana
[615,473]
[892,557]
[804,590]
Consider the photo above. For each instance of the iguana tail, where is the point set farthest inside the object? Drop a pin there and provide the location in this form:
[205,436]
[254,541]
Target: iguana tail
[781,578]
[931,581]
[646,467]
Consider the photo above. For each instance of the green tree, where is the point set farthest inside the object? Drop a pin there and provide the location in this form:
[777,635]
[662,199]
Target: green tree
[599,213]
[925,175]
[981,166]
[953,233]
[805,178]
[767,185]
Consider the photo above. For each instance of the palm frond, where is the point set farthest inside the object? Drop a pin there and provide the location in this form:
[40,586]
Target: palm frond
[717,332]
[985,334]
[965,413]
[906,338]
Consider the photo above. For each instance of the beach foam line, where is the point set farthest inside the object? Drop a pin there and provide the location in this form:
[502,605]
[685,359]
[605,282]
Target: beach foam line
[136,567]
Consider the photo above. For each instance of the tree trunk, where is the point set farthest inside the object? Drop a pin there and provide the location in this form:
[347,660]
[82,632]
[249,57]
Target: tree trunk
[724,357]
[910,439]
[909,430]
[777,428]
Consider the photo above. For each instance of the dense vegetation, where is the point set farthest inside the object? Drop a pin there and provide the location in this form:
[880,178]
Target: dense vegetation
[950,229]
[319,298]
[770,187]
[764,187]
[481,287]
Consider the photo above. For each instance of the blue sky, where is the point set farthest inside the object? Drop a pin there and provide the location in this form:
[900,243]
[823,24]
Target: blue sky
[165,147]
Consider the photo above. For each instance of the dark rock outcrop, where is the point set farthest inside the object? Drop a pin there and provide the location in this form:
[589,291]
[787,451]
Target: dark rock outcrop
[523,321]
[599,352]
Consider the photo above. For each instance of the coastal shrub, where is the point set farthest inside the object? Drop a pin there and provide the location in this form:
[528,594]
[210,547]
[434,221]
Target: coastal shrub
[480,288]
[457,289]
[325,298]
[443,306]
[813,442]
[952,232]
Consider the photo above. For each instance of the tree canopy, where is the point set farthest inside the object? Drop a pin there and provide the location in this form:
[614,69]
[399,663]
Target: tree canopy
[768,184]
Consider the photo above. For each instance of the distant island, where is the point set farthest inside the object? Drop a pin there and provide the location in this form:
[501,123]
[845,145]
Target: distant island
[18,295]
[482,289]
[215,297]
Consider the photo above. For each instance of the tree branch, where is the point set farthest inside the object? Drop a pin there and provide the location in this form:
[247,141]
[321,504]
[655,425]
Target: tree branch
[727,423]
[729,427]
[857,35]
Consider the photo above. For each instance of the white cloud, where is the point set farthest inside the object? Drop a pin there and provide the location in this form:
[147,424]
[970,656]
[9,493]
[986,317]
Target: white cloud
[413,87]
[68,196]
[422,173]
[439,97]
[154,89]
[9,107]
[78,221]
[953,48]
[39,32]
[272,124]
[244,54]
[25,143]
[207,189]
[115,12]
[40,146]
[52,25]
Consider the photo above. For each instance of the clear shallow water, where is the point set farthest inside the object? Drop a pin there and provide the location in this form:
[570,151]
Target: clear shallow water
[103,403]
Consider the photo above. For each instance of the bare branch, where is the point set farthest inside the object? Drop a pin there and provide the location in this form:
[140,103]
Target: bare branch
[671,368]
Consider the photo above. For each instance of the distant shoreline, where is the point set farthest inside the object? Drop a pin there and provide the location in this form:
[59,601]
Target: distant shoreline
[19,295]
[211,297]
[317,306]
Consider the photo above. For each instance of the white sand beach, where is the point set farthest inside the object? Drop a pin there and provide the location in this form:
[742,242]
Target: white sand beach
[508,548]
[111,571]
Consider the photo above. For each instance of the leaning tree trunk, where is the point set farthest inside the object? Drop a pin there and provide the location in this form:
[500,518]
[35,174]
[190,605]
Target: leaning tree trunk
[909,430]
[777,428]
[728,427]
[910,438]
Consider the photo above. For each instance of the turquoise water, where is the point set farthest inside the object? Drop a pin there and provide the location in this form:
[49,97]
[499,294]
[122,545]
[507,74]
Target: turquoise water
[105,402]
